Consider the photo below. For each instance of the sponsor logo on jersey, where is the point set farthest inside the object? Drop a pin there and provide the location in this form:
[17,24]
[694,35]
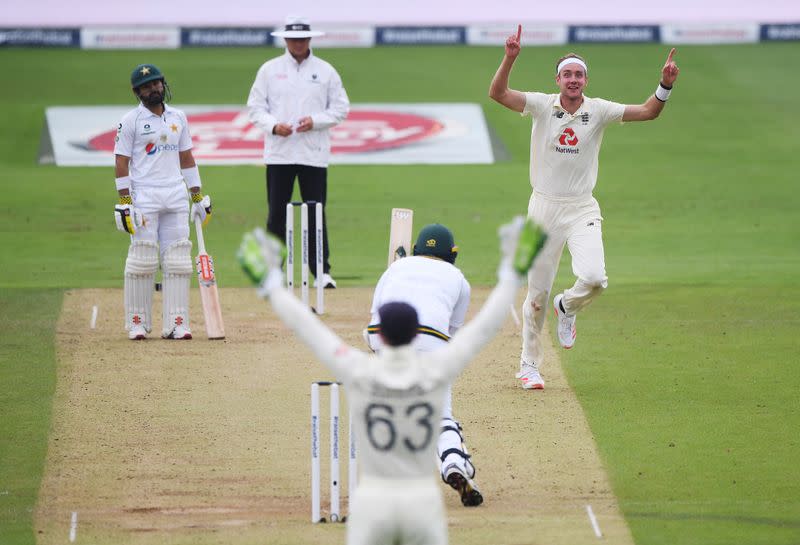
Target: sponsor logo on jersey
[568,138]
[151,148]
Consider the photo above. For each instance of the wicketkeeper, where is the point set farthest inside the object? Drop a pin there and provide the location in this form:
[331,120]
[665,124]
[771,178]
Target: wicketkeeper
[154,166]
[396,397]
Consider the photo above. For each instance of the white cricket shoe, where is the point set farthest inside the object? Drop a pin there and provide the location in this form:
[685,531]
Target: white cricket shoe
[179,332]
[137,333]
[327,281]
[530,377]
[464,485]
[566,324]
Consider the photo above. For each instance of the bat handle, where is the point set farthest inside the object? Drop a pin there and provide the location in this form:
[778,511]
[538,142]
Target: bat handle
[201,244]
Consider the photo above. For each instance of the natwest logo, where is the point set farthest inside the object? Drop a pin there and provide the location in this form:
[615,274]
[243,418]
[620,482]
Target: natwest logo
[568,138]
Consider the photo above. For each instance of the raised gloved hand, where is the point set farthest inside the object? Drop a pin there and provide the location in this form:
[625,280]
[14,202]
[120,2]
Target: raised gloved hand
[521,241]
[128,218]
[201,208]
[261,256]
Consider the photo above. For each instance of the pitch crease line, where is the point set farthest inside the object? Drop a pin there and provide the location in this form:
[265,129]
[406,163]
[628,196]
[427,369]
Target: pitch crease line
[93,322]
[73,525]
[593,520]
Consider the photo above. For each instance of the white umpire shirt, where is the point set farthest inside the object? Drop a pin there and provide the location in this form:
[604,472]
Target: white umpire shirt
[285,91]
[153,143]
[396,397]
[564,146]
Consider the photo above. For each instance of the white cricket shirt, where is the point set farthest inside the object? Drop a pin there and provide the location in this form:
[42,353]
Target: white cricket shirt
[565,147]
[153,143]
[396,397]
[435,288]
[285,91]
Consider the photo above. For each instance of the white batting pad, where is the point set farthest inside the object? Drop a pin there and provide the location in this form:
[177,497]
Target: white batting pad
[178,269]
[140,272]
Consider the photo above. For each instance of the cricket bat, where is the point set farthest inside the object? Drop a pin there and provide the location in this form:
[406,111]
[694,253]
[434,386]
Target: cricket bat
[400,234]
[209,296]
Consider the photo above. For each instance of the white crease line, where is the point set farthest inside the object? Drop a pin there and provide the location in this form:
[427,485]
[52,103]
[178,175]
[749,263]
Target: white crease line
[593,520]
[73,525]
[93,323]
[514,315]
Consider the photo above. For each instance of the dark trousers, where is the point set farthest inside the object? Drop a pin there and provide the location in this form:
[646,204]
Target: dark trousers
[313,187]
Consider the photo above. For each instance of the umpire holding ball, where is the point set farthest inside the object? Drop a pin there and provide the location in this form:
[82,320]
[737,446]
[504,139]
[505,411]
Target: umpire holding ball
[295,99]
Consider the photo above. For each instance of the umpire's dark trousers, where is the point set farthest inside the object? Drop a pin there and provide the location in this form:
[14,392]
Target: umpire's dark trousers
[313,187]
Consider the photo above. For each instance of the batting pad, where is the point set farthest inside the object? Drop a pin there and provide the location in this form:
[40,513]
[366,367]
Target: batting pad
[451,448]
[140,272]
[178,269]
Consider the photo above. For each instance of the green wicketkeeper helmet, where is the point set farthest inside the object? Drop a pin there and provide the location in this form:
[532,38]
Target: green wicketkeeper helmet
[436,240]
[144,73]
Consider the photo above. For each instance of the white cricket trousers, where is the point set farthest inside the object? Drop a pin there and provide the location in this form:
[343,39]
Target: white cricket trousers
[397,511]
[166,212]
[575,222]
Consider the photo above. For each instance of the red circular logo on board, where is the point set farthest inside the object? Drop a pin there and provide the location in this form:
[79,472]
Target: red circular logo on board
[229,134]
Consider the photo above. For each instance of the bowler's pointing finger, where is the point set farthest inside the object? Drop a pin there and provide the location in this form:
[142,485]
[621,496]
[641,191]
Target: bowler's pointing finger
[519,33]
[671,53]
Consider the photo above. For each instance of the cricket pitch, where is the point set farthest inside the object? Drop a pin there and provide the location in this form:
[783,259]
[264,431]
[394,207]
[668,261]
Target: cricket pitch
[201,442]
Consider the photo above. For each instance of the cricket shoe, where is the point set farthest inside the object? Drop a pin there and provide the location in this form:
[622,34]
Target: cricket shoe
[137,333]
[179,332]
[466,487]
[327,282]
[566,324]
[530,377]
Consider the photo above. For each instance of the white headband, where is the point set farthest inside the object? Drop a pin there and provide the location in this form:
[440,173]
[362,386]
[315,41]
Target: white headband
[571,60]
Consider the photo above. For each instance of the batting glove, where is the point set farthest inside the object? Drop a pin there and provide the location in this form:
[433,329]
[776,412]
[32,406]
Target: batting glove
[127,217]
[201,208]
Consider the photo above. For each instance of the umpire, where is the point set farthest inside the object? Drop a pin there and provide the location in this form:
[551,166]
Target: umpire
[295,99]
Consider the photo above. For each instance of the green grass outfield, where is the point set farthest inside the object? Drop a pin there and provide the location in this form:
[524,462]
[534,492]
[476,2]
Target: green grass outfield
[686,367]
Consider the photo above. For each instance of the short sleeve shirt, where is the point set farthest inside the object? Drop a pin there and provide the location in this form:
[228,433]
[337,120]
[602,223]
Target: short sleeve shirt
[565,147]
[153,143]
[435,288]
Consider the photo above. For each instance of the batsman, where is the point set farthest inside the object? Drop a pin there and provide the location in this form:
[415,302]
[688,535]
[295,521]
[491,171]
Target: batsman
[153,167]
[430,282]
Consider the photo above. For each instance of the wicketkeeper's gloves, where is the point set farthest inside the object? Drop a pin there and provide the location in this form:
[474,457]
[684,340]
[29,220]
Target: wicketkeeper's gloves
[261,256]
[521,241]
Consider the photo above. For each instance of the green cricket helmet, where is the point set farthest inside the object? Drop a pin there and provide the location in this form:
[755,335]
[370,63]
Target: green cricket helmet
[436,240]
[145,73]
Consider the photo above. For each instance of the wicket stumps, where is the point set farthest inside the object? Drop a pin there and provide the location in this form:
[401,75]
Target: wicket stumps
[316,485]
[304,241]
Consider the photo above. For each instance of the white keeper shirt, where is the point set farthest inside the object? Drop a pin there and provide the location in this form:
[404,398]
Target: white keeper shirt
[285,91]
[153,143]
[396,397]
[565,147]
[436,289]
